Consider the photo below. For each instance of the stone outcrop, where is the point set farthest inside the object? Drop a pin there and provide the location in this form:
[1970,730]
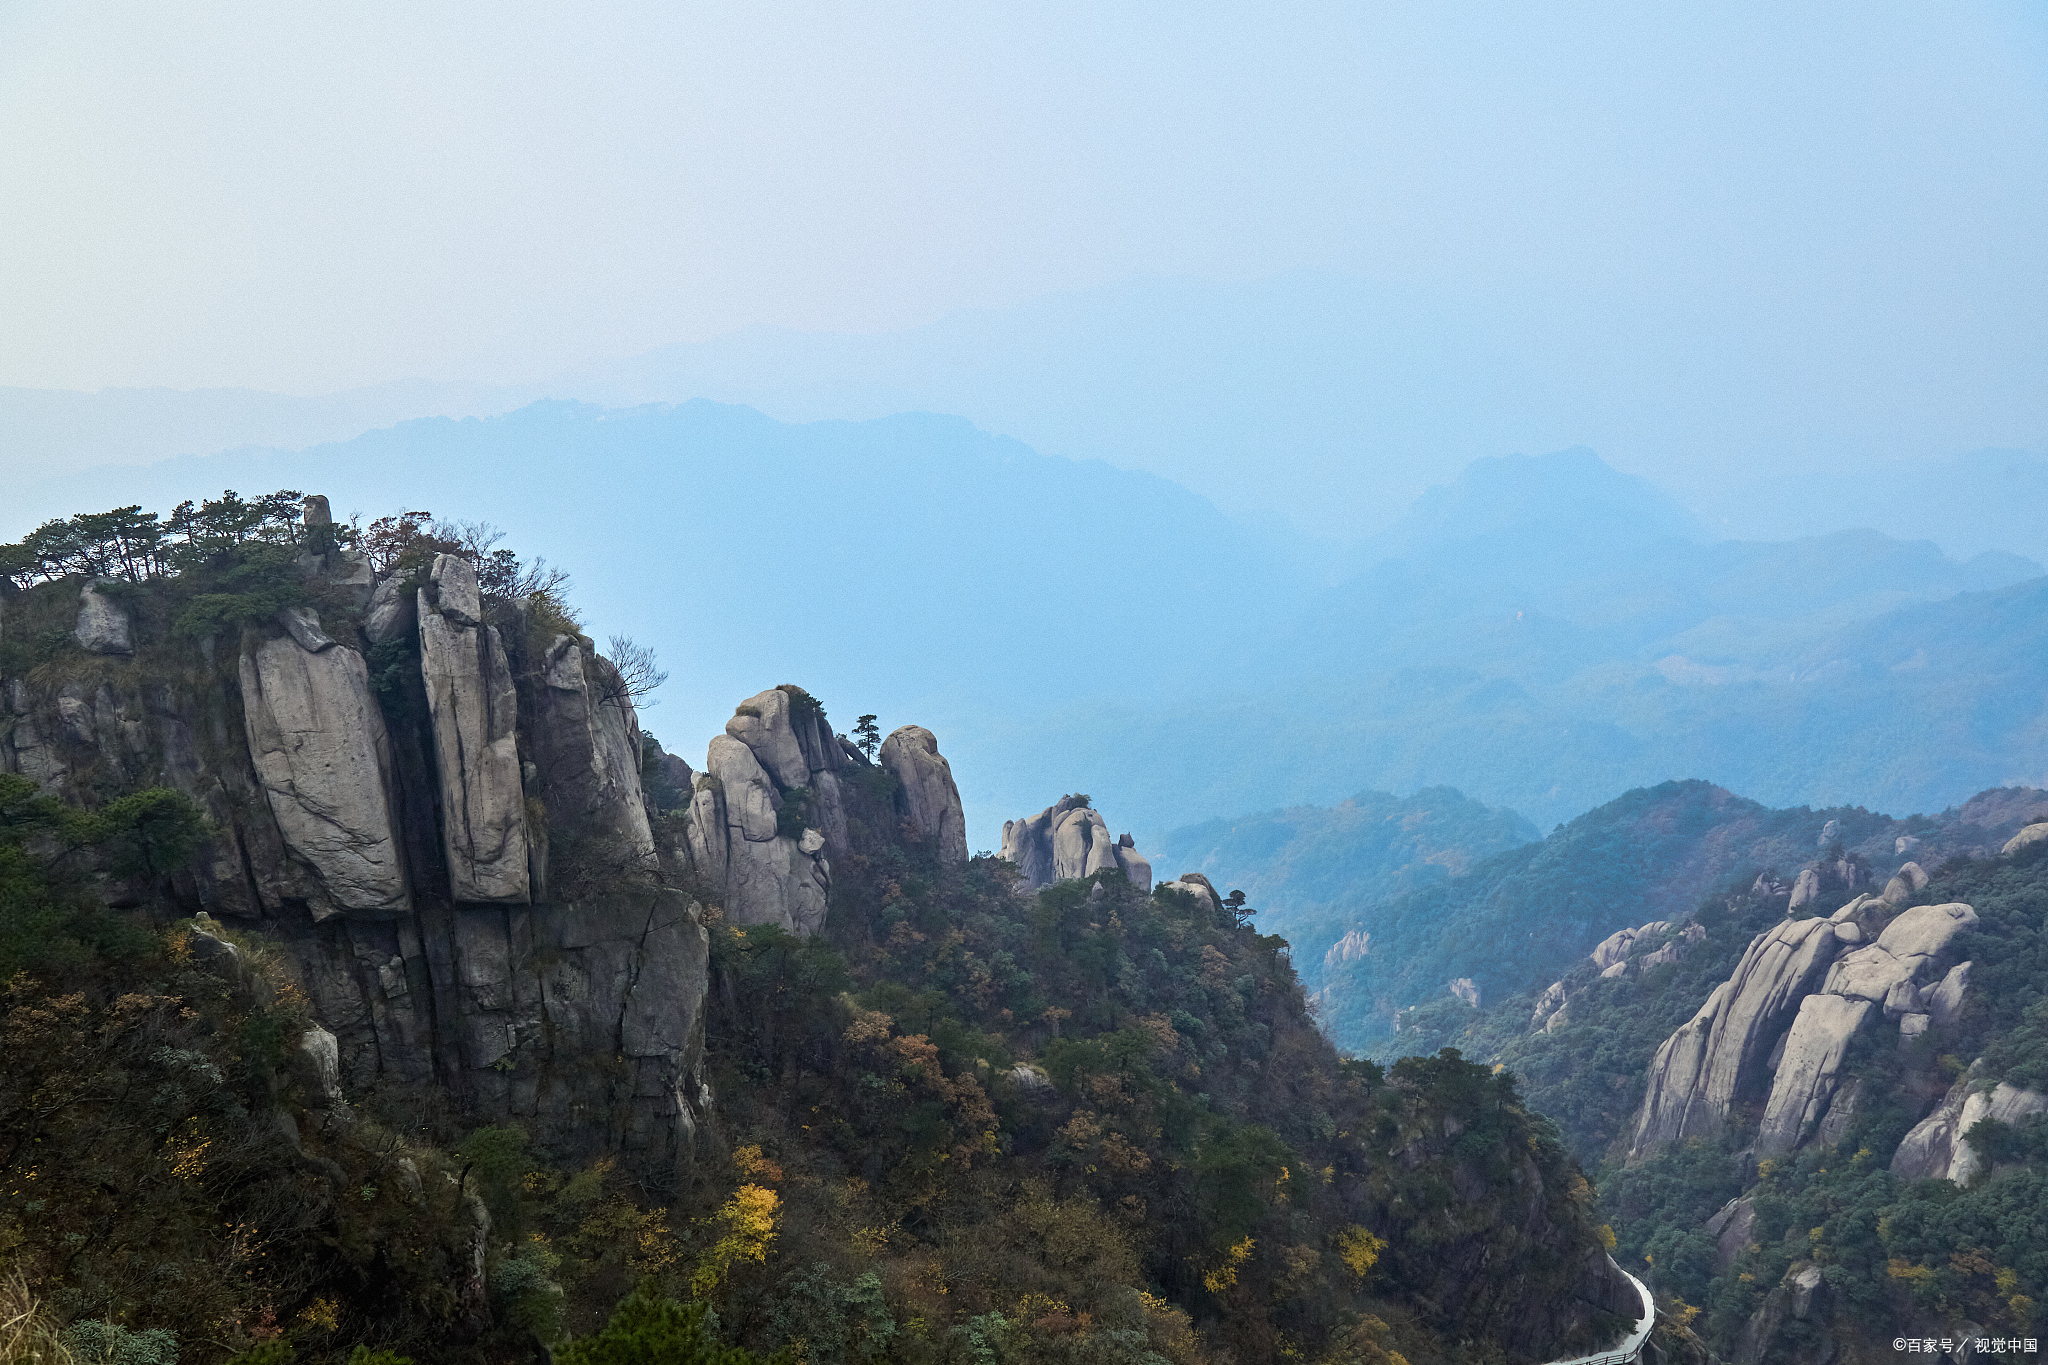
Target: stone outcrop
[1945,1000]
[771,809]
[1465,989]
[391,840]
[1730,1228]
[323,757]
[1699,1069]
[1937,1145]
[586,756]
[1827,877]
[2026,838]
[474,712]
[1355,944]
[1197,885]
[926,794]
[392,612]
[103,625]
[736,841]
[1800,994]
[1614,948]
[1068,839]
[1806,1077]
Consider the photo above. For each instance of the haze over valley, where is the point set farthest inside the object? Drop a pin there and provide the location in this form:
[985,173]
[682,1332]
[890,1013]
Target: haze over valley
[1068,685]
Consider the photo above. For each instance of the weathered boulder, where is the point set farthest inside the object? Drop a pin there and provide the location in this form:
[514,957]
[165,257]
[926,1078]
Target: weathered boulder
[391,613]
[1926,1151]
[1067,840]
[1903,885]
[1868,973]
[1827,877]
[321,753]
[762,724]
[103,626]
[768,876]
[926,792]
[474,712]
[1945,1000]
[2026,838]
[1550,1002]
[1938,1144]
[1699,1068]
[1805,1082]
[1730,1229]
[1615,947]
[323,1057]
[2004,1103]
[1924,931]
[303,625]
[1197,885]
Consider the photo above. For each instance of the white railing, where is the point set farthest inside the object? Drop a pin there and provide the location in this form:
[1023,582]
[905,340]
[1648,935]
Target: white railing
[1631,1344]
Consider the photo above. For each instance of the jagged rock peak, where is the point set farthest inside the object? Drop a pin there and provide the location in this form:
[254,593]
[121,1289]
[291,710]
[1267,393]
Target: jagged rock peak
[926,794]
[768,813]
[1070,839]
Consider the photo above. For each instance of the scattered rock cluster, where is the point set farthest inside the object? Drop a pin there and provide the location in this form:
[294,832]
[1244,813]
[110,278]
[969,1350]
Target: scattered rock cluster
[1067,840]
[1622,952]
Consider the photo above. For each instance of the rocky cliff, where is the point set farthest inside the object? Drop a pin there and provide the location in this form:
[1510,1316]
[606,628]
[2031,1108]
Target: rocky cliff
[431,792]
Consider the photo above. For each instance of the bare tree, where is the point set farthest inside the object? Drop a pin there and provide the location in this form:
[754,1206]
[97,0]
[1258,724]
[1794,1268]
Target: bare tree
[635,674]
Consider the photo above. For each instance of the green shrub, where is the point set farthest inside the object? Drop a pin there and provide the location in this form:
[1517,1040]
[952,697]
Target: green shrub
[94,1342]
[649,1329]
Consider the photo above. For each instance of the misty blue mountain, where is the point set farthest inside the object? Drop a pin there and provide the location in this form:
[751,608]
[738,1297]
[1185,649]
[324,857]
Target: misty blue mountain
[1542,633]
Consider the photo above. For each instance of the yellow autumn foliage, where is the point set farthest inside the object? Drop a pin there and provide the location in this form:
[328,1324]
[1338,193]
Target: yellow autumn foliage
[747,1226]
[1359,1249]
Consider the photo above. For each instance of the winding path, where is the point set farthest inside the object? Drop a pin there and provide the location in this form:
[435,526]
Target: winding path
[1630,1344]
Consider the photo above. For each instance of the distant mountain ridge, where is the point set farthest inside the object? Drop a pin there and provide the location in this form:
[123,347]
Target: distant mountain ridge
[1546,640]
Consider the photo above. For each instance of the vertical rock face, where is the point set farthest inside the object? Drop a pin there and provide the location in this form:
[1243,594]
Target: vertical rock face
[413,936]
[1068,840]
[474,713]
[324,760]
[929,799]
[1805,1083]
[586,749]
[103,626]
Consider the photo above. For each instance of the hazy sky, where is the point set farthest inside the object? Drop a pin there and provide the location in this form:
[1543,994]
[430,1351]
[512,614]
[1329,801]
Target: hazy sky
[303,198]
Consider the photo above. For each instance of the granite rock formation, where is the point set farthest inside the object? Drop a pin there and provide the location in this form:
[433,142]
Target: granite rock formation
[926,794]
[475,716]
[1069,839]
[393,823]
